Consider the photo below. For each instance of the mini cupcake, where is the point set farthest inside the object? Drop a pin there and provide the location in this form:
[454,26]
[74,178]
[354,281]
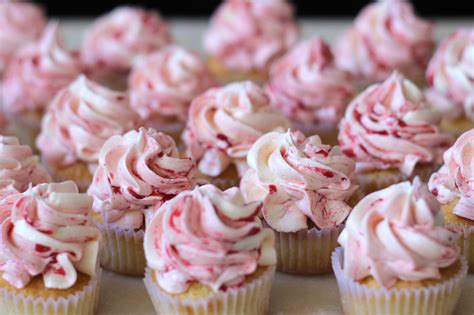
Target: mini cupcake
[48,252]
[32,78]
[392,134]
[222,126]
[397,257]
[386,36]
[79,120]
[137,173]
[305,186]
[207,253]
[115,40]
[163,84]
[453,185]
[450,77]
[307,87]
[245,37]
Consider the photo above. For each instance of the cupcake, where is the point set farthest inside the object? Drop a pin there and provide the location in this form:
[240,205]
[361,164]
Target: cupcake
[223,124]
[21,23]
[137,173]
[79,120]
[34,75]
[207,253]
[245,37]
[308,88]
[450,77]
[453,185]
[3,123]
[305,187]
[393,134]
[163,84]
[386,36]
[115,40]
[397,257]
[48,252]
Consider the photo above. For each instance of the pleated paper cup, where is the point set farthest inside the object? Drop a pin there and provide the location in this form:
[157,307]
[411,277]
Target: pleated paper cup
[438,299]
[251,298]
[465,242]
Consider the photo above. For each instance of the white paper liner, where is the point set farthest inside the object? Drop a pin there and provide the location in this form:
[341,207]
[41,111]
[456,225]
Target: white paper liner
[307,251]
[83,302]
[252,298]
[466,242]
[359,299]
[123,250]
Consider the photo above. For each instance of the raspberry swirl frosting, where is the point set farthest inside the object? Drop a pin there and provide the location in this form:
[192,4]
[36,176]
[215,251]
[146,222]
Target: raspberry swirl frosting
[80,119]
[47,231]
[390,125]
[21,23]
[387,36]
[164,83]
[398,233]
[117,38]
[455,179]
[450,75]
[306,85]
[137,173]
[248,35]
[224,123]
[299,178]
[208,236]
[18,166]
[37,72]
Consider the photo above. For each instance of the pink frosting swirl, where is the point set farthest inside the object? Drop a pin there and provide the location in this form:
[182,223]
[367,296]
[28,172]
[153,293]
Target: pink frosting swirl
[306,85]
[137,173]
[18,166]
[450,75]
[398,233]
[248,35]
[117,38]
[164,83]
[47,231]
[37,72]
[299,178]
[390,125]
[387,36]
[455,179]
[21,23]
[225,122]
[79,121]
[208,236]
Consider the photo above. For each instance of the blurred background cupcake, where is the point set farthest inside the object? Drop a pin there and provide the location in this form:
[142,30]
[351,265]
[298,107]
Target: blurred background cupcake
[245,37]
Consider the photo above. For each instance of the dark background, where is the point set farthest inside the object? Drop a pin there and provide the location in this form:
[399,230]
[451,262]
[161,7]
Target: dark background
[202,8]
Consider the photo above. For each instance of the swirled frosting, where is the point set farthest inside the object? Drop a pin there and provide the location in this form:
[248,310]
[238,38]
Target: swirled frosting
[455,179]
[37,72]
[208,236]
[138,172]
[390,125]
[164,83]
[248,35]
[298,178]
[224,123]
[47,231]
[386,36]
[80,119]
[306,85]
[117,38]
[21,23]
[450,75]
[396,234]
[18,166]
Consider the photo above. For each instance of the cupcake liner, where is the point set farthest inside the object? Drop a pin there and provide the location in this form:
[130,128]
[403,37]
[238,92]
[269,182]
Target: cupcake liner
[83,302]
[466,242]
[123,250]
[252,298]
[359,299]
